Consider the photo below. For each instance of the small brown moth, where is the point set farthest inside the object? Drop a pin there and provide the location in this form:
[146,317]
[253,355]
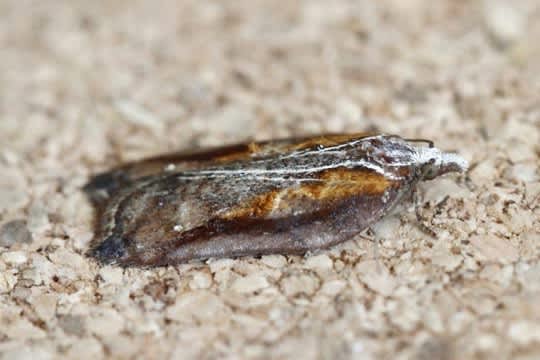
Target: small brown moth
[286,196]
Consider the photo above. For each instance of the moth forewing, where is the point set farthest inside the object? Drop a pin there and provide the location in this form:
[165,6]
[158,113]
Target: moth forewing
[287,197]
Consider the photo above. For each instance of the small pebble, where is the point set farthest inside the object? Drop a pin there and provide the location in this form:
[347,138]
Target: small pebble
[504,22]
[72,324]
[250,284]
[14,232]
[14,257]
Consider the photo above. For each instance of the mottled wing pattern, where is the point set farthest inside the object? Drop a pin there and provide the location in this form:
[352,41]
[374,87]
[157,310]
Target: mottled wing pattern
[294,194]
[286,196]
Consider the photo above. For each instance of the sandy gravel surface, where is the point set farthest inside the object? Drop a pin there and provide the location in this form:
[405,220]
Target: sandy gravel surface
[87,85]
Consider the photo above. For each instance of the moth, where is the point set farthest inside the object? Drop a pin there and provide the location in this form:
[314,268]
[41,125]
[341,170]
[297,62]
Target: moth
[287,196]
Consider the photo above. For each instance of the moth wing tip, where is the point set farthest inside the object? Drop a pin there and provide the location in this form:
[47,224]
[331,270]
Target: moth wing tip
[109,251]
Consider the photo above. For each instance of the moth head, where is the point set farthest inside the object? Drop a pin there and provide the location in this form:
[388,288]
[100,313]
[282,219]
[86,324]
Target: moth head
[433,162]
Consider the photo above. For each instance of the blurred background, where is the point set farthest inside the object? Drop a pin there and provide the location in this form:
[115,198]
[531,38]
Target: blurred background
[85,85]
[129,78]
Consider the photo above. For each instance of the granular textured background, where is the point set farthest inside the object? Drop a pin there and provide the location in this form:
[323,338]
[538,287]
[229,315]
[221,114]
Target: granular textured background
[87,85]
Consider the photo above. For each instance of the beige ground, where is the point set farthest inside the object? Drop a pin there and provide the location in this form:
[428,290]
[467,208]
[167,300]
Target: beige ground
[87,84]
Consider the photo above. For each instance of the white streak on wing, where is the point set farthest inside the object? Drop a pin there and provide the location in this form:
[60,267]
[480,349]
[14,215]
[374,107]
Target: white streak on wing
[277,174]
[273,174]
[249,177]
[297,170]
[331,149]
[303,153]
